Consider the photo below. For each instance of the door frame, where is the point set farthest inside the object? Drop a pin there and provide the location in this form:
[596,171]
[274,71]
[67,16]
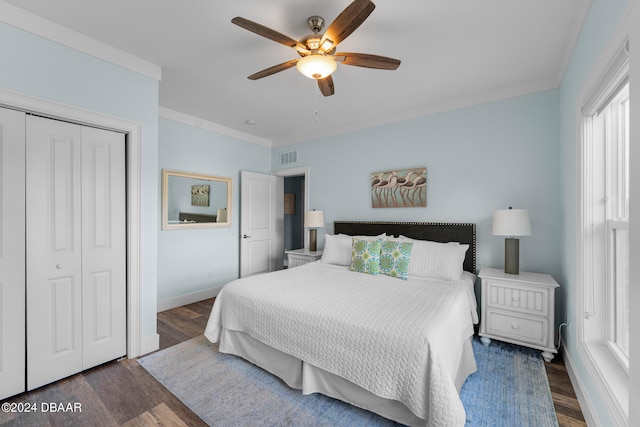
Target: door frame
[299,171]
[133,144]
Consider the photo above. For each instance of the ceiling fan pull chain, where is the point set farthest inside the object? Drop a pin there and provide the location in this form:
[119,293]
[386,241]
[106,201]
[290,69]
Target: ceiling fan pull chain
[316,92]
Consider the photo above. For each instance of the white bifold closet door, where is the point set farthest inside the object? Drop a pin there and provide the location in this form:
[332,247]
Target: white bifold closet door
[76,248]
[12,257]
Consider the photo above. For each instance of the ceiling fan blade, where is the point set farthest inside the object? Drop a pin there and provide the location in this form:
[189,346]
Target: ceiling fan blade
[346,23]
[326,86]
[368,61]
[272,70]
[267,32]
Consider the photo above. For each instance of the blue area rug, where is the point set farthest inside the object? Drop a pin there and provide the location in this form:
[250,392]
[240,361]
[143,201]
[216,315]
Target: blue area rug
[509,389]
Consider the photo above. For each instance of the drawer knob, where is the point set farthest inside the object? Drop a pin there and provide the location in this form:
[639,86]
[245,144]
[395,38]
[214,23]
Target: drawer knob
[514,326]
[515,299]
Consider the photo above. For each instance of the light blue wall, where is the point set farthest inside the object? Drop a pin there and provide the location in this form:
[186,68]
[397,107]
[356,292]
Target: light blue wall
[199,259]
[478,159]
[34,66]
[599,26]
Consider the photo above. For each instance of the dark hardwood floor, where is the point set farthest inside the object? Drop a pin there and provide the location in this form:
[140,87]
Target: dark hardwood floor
[564,397]
[123,393]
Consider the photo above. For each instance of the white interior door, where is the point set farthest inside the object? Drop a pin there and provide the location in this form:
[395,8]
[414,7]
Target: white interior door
[261,221]
[12,256]
[76,286]
[104,317]
[54,257]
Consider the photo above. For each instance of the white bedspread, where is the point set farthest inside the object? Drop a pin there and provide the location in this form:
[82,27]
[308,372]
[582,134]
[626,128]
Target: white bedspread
[398,339]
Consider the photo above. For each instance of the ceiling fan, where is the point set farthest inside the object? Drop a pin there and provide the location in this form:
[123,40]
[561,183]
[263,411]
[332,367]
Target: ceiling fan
[318,51]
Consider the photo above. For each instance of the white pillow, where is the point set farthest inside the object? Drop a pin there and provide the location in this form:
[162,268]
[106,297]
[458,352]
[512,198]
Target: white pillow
[437,260]
[337,248]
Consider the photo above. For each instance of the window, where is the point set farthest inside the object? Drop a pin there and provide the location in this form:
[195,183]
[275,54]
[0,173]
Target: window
[603,259]
[615,135]
[606,208]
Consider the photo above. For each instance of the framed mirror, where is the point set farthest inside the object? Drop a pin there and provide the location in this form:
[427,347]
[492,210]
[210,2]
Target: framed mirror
[191,200]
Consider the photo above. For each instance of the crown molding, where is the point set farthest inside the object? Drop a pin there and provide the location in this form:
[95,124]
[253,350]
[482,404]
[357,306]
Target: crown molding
[570,44]
[27,21]
[197,122]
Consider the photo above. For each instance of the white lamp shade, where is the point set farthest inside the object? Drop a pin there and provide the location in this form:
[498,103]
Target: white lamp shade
[313,219]
[316,66]
[511,222]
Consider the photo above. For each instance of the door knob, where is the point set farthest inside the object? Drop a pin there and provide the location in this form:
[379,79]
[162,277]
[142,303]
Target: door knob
[59,266]
[244,236]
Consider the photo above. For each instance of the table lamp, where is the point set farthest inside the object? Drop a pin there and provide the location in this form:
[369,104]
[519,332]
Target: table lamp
[511,222]
[312,220]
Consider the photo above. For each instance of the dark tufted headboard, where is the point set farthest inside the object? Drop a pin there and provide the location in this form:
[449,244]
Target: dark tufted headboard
[435,231]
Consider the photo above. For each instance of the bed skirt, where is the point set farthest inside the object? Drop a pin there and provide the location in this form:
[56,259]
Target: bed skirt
[310,379]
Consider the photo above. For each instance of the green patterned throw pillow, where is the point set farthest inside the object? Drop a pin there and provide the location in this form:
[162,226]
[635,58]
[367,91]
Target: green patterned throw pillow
[365,256]
[395,257]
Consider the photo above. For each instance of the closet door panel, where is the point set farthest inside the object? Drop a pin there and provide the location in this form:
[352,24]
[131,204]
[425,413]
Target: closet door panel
[103,246]
[12,256]
[63,316]
[54,250]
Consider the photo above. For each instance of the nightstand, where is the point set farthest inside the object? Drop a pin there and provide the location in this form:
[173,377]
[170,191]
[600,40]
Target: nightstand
[518,308]
[298,257]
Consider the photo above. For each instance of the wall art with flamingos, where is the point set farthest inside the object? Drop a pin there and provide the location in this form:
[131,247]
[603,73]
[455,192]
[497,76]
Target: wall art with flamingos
[405,188]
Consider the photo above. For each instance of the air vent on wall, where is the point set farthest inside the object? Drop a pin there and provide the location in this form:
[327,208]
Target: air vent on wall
[289,157]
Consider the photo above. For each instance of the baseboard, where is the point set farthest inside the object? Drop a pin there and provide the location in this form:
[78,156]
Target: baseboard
[149,344]
[181,300]
[578,387]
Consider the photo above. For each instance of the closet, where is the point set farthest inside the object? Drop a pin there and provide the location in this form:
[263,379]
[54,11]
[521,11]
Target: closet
[62,249]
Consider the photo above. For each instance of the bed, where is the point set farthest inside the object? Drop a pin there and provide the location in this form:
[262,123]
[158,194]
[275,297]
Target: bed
[392,338]
[195,217]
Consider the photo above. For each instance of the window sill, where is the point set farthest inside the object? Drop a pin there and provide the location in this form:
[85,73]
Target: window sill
[611,379]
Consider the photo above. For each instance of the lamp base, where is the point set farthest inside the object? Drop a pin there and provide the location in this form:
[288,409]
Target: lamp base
[512,256]
[313,239]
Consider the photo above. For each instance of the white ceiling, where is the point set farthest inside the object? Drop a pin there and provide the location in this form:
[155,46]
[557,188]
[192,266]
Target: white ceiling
[454,53]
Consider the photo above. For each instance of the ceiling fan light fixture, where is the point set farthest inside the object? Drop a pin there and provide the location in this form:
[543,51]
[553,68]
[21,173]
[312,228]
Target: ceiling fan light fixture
[316,66]
[327,45]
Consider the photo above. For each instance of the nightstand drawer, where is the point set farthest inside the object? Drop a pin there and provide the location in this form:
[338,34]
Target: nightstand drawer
[526,329]
[523,299]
